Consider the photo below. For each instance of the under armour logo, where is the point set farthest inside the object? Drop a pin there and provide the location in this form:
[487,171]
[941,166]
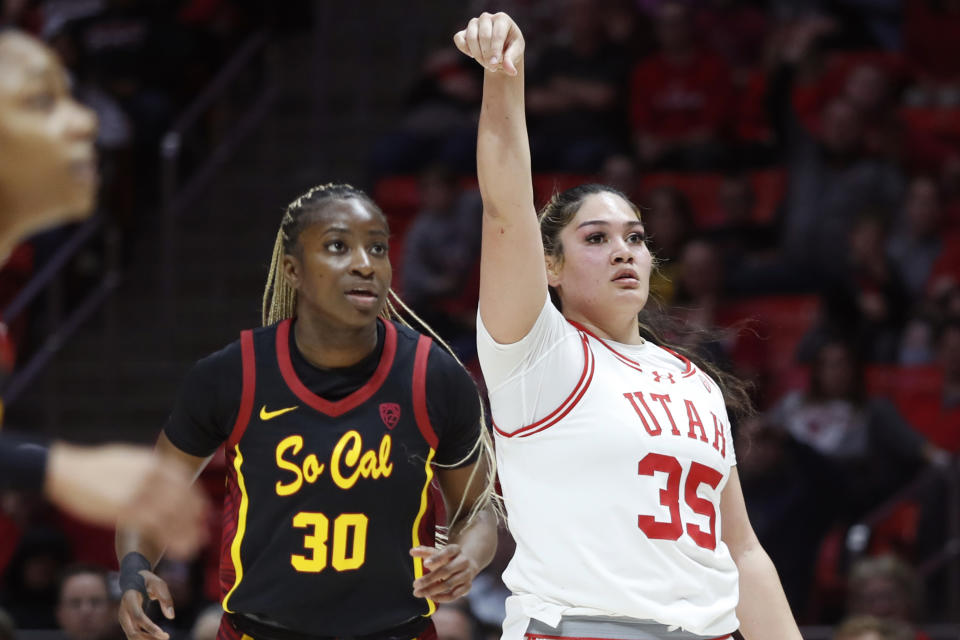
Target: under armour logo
[669,376]
[390,414]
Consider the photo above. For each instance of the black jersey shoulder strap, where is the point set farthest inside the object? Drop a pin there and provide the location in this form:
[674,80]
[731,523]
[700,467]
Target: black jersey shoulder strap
[249,388]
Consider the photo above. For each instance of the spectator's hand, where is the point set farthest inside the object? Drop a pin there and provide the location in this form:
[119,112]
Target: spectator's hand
[118,482]
[935,456]
[450,573]
[494,41]
[134,621]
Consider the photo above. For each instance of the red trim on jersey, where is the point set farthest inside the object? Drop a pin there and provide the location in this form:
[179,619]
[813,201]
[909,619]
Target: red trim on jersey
[430,633]
[420,392]
[540,636]
[249,386]
[227,631]
[586,377]
[352,401]
[229,518]
[688,366]
[622,358]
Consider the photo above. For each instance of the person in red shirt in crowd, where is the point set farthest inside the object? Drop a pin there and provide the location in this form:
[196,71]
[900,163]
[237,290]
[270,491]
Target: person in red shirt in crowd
[933,50]
[679,98]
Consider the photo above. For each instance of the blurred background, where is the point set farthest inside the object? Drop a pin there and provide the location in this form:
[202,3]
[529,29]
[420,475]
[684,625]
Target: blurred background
[797,163]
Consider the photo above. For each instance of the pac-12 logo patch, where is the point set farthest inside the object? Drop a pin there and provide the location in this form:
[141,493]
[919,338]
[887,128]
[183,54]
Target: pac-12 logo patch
[390,414]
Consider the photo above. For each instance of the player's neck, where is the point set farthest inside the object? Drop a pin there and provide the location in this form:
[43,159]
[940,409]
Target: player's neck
[624,329]
[333,347]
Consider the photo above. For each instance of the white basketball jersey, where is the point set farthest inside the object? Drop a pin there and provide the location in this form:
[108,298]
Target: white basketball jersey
[613,492]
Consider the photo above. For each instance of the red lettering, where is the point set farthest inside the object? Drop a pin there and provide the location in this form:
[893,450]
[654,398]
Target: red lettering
[646,425]
[695,421]
[669,497]
[700,474]
[663,400]
[719,436]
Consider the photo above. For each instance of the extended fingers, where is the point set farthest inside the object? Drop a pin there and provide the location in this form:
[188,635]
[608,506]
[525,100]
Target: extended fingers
[135,623]
[449,588]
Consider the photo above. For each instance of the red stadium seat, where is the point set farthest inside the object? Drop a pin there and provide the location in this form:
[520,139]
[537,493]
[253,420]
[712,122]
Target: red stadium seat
[703,191]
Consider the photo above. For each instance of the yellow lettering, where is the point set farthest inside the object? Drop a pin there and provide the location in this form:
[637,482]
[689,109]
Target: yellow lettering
[386,467]
[368,464]
[354,441]
[312,468]
[295,443]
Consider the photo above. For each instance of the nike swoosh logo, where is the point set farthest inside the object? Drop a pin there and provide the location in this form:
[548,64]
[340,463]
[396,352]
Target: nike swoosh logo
[270,415]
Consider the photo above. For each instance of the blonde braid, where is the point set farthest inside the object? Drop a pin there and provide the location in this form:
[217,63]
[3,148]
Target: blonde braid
[483,444]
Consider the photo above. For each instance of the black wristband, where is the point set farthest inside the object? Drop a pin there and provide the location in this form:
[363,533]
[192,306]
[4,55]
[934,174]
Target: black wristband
[130,567]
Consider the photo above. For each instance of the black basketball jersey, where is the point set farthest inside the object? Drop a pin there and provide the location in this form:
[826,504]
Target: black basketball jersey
[325,498]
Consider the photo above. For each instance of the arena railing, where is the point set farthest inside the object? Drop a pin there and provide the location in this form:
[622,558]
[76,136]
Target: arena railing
[59,322]
[938,482]
[177,190]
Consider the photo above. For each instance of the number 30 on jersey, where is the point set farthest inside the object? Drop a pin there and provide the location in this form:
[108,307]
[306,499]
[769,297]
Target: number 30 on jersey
[670,498]
[349,542]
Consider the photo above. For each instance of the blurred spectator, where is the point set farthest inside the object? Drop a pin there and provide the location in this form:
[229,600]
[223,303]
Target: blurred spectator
[787,490]
[454,621]
[440,254]
[918,243]
[30,589]
[871,451]
[885,588]
[867,302]
[831,179]
[207,624]
[627,28]
[680,98]
[440,124]
[86,610]
[932,49]
[574,95]
[870,628]
[669,224]
[698,295]
[949,357]
[735,29]
[621,172]
[741,240]
[7,626]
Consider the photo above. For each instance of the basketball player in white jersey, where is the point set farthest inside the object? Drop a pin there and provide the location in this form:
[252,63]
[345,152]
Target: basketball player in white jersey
[615,453]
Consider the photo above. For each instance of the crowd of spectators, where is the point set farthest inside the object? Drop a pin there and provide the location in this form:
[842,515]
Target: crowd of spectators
[798,169]
[797,165]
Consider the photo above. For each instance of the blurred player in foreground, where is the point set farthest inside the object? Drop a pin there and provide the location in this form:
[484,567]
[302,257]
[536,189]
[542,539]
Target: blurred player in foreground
[48,177]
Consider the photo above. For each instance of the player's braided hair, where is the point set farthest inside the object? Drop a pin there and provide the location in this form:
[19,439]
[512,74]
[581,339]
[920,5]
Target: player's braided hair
[280,303]
[653,322]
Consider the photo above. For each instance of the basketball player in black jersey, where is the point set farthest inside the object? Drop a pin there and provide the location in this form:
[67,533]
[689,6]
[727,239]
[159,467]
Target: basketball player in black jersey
[335,419]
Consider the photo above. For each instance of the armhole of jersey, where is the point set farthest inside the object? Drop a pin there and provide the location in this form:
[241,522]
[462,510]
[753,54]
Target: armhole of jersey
[586,377]
[420,391]
[249,386]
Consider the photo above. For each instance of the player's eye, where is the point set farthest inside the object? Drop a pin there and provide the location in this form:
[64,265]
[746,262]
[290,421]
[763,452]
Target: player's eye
[637,237]
[596,238]
[336,246]
[41,100]
[379,249]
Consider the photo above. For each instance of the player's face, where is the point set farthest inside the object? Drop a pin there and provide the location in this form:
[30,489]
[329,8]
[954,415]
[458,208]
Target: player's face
[341,269]
[48,169]
[606,263]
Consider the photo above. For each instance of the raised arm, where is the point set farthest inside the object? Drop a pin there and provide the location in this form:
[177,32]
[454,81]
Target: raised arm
[513,281]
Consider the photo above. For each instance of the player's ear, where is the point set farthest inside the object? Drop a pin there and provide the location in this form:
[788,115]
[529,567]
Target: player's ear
[553,265]
[292,270]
